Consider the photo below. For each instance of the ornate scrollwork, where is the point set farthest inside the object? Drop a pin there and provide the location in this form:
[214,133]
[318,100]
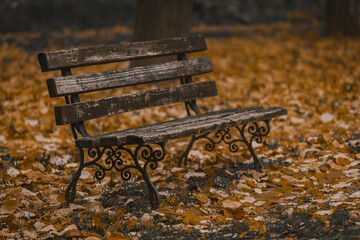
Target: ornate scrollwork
[223,135]
[254,129]
[113,158]
[248,133]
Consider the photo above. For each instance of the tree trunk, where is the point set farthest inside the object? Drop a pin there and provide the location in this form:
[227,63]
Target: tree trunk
[342,16]
[157,19]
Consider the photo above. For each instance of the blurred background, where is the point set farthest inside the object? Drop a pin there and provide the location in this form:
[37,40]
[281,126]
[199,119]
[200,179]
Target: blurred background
[171,18]
[37,15]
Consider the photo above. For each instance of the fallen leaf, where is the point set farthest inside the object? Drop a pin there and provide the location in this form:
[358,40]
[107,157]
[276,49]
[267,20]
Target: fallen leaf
[231,204]
[30,235]
[355,195]
[12,172]
[324,212]
[3,139]
[203,199]
[295,120]
[39,225]
[192,173]
[9,206]
[248,200]
[49,228]
[5,234]
[236,213]
[326,117]
[192,217]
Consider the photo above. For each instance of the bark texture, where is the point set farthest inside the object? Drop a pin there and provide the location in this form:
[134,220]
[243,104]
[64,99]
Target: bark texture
[342,16]
[158,19]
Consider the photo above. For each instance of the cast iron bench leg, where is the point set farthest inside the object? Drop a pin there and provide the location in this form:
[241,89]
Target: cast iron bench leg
[184,155]
[255,131]
[114,161]
[70,191]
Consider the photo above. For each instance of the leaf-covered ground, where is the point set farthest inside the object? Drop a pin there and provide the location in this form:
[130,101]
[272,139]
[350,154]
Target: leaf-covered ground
[310,187]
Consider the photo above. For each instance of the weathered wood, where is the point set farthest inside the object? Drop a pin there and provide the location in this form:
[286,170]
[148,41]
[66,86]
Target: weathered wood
[196,125]
[87,110]
[79,126]
[107,138]
[125,51]
[61,86]
[182,127]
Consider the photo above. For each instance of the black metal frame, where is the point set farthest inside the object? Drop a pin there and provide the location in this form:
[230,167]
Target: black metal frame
[114,159]
[256,132]
[113,155]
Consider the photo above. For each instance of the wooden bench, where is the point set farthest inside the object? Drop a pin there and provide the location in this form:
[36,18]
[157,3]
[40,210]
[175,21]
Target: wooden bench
[145,144]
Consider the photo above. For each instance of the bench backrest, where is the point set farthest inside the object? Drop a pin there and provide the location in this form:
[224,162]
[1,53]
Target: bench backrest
[71,85]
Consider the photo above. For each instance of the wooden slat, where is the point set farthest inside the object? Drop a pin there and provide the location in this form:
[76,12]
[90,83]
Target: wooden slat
[185,127]
[61,86]
[182,127]
[108,139]
[86,110]
[125,51]
[204,126]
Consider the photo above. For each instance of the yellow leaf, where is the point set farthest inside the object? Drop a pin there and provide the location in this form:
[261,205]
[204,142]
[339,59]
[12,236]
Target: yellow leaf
[236,213]
[203,199]
[251,183]
[9,206]
[192,216]
[220,219]
[4,234]
[131,223]
[343,161]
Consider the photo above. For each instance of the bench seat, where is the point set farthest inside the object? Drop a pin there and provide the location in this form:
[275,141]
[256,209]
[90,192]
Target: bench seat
[181,127]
